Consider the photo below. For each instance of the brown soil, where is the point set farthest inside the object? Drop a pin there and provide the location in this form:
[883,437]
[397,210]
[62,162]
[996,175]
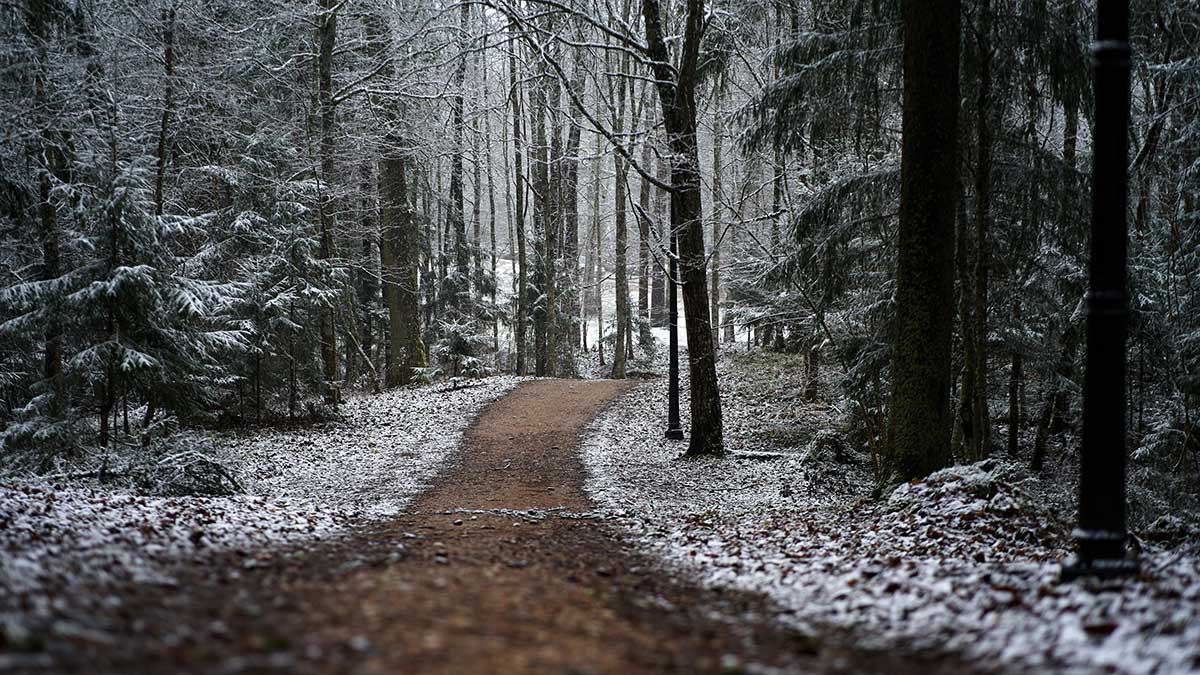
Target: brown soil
[498,569]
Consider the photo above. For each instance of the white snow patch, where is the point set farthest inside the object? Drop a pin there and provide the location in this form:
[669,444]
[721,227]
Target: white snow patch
[966,562]
[305,483]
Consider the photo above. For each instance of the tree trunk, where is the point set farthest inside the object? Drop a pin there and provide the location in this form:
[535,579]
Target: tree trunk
[658,286]
[160,172]
[47,223]
[620,220]
[983,215]
[456,220]
[520,328]
[965,441]
[368,292]
[645,337]
[399,256]
[552,213]
[718,135]
[1014,391]
[598,256]
[491,193]
[539,166]
[677,95]
[327,35]
[476,209]
[569,206]
[919,429]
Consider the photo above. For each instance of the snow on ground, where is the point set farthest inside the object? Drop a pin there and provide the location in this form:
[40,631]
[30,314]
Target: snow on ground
[965,562]
[303,483]
[382,452]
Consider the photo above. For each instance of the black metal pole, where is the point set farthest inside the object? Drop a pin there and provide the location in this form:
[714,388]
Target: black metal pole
[674,429]
[1100,534]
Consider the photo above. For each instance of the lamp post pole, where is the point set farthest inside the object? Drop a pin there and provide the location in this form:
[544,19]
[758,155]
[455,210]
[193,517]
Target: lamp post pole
[1100,533]
[674,430]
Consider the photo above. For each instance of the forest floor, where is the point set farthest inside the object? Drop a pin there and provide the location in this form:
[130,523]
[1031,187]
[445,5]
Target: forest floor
[966,562]
[503,566]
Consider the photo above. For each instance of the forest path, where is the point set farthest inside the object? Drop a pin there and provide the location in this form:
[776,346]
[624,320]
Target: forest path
[498,569]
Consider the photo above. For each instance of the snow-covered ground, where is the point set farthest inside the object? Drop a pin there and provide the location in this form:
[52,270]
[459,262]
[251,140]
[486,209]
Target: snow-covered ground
[305,483]
[965,562]
[382,452]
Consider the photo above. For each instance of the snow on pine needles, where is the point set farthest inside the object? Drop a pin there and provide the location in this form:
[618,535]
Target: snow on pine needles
[965,562]
[59,544]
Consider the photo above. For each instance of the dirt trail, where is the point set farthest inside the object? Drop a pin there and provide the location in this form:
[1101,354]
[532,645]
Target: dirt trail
[498,569]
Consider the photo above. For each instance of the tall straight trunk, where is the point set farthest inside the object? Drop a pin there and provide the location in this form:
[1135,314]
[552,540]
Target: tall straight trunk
[552,212]
[476,214]
[47,213]
[736,214]
[772,334]
[327,35]
[589,258]
[658,286]
[433,210]
[429,277]
[983,202]
[620,279]
[569,207]
[539,162]
[919,429]
[718,137]
[164,127]
[620,221]
[599,257]
[491,187]
[518,216]
[399,252]
[1014,391]
[456,220]
[965,437]
[368,292]
[643,219]
[677,96]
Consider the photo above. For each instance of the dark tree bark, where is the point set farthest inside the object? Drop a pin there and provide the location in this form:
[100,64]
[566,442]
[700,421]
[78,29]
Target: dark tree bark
[598,257]
[164,127]
[368,290]
[1014,391]
[491,191]
[718,134]
[620,220]
[569,206]
[677,96]
[983,215]
[54,162]
[552,216]
[456,221]
[964,258]
[658,286]
[520,328]
[919,431]
[644,263]
[327,36]
[539,166]
[399,249]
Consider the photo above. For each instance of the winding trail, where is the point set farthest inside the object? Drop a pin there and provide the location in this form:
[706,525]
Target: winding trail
[498,569]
